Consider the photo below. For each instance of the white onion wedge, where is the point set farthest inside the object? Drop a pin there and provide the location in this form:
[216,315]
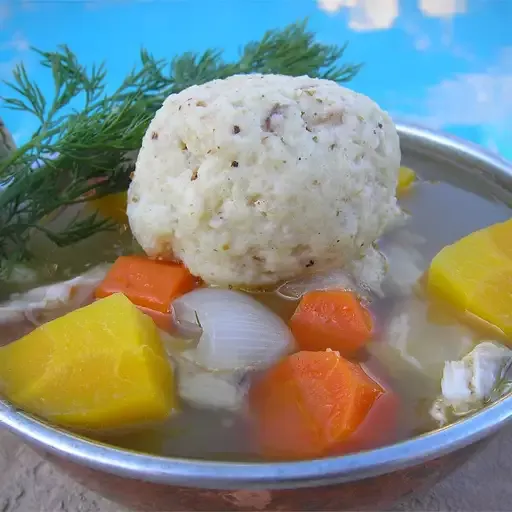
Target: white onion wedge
[422,343]
[369,272]
[404,251]
[332,280]
[210,390]
[237,332]
[364,276]
[391,270]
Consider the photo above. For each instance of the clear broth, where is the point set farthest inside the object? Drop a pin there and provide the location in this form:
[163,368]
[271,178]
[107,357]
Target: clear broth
[441,212]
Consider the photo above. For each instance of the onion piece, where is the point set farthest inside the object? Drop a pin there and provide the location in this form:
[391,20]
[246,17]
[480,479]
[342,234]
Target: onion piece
[210,390]
[425,344]
[173,345]
[392,270]
[369,271]
[237,331]
[405,270]
[363,276]
[332,280]
[407,263]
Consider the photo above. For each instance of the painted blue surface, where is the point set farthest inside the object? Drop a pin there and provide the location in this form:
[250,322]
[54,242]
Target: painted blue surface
[446,64]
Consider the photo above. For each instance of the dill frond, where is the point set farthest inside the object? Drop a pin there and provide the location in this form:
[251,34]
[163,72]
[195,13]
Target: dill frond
[85,133]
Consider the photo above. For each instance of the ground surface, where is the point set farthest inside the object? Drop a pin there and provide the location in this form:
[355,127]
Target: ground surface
[28,484]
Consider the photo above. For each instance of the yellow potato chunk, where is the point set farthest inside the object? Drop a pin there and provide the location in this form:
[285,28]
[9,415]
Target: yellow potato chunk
[112,206]
[99,367]
[406,178]
[475,275]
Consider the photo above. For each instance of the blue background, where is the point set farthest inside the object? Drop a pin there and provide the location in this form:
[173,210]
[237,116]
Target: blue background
[446,64]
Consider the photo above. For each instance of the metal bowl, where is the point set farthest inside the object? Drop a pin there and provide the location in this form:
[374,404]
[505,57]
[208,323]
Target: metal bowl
[372,479]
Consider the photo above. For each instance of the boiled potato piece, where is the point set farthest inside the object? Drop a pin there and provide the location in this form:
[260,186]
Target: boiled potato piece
[406,178]
[475,275]
[99,367]
[112,206]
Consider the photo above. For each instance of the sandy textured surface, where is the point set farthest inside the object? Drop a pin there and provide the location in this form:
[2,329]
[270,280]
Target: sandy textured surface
[28,484]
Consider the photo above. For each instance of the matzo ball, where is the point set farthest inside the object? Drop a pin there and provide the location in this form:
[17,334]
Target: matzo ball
[256,179]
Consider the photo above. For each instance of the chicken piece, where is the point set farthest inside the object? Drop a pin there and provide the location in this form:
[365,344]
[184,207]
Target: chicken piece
[24,311]
[469,382]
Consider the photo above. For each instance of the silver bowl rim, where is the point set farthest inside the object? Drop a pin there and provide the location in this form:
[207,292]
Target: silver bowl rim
[281,475]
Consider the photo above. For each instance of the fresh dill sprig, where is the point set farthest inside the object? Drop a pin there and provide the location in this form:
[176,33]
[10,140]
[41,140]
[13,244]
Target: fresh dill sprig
[86,136]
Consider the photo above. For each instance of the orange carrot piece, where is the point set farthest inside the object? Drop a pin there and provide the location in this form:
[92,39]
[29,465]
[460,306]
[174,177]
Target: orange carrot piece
[312,404]
[331,319]
[147,283]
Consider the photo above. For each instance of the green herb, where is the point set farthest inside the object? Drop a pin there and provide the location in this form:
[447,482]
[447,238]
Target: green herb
[503,384]
[86,134]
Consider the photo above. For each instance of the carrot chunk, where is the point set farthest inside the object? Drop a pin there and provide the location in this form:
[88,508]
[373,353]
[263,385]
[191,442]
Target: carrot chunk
[331,319]
[312,404]
[147,283]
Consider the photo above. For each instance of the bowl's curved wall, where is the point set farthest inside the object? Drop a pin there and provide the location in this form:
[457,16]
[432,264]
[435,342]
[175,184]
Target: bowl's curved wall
[375,493]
